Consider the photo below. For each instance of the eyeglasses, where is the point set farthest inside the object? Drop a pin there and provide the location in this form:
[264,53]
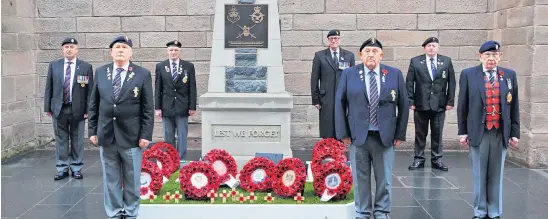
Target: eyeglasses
[490,54]
[333,38]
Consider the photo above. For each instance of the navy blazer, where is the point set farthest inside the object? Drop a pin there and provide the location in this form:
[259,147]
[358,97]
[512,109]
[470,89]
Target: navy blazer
[352,106]
[471,110]
[127,119]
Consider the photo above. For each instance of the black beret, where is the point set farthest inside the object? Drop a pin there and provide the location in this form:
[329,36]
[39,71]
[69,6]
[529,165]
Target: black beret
[490,45]
[333,33]
[174,43]
[430,40]
[371,42]
[70,40]
[121,39]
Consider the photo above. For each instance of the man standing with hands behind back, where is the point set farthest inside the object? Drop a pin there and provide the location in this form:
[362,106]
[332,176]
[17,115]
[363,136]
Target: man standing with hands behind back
[371,113]
[121,119]
[431,88]
[326,71]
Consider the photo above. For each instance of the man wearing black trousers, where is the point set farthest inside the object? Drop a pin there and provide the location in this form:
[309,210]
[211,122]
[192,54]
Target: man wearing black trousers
[431,89]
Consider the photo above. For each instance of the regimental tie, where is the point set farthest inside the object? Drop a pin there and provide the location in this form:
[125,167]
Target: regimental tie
[174,71]
[335,59]
[66,85]
[433,67]
[492,78]
[116,84]
[374,98]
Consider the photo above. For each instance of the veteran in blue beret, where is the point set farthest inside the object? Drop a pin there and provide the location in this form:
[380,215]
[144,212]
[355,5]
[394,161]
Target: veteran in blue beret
[175,97]
[431,87]
[67,90]
[327,66]
[371,113]
[488,121]
[121,119]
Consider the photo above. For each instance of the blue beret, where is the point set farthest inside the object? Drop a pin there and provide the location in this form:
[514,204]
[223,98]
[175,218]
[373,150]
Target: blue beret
[430,40]
[70,40]
[490,45]
[333,33]
[174,43]
[371,42]
[121,39]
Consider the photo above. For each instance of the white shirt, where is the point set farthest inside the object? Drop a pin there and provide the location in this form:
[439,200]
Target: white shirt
[485,71]
[430,66]
[72,71]
[377,77]
[333,54]
[124,73]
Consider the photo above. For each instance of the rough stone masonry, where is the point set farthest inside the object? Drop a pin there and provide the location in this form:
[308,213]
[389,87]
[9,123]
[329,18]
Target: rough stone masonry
[33,29]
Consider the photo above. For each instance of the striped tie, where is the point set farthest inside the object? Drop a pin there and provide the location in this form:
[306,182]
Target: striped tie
[374,98]
[492,77]
[117,83]
[174,71]
[66,85]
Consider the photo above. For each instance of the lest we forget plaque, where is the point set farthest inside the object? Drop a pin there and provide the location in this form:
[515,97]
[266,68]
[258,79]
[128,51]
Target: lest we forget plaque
[246,26]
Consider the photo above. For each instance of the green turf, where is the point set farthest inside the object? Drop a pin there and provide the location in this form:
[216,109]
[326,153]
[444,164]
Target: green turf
[310,196]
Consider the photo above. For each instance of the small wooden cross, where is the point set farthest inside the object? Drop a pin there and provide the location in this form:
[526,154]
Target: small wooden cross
[268,198]
[251,197]
[224,195]
[167,197]
[242,198]
[299,198]
[212,195]
[234,194]
[176,196]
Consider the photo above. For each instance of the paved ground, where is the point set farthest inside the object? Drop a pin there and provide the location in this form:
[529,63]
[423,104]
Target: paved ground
[29,191]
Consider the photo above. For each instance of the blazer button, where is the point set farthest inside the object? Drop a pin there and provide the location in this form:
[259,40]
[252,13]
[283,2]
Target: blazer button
[114,105]
[113,118]
[175,97]
[174,89]
[482,122]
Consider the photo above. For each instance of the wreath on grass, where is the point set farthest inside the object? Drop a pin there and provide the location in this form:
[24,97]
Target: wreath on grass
[223,163]
[197,179]
[334,179]
[151,179]
[289,177]
[172,152]
[163,160]
[256,175]
[327,150]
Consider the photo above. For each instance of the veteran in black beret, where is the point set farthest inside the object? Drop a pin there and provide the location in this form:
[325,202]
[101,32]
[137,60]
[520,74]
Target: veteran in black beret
[371,113]
[488,121]
[121,119]
[431,87]
[327,66]
[175,96]
[68,86]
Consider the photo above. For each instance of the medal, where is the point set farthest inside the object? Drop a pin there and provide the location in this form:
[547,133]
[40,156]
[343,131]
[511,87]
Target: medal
[393,92]
[167,69]
[509,83]
[136,92]
[443,75]
[509,97]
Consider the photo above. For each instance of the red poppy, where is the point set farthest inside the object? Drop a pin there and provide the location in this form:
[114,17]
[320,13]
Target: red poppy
[342,171]
[298,177]
[327,149]
[155,173]
[246,174]
[384,72]
[130,68]
[211,180]
[501,74]
[220,155]
[174,159]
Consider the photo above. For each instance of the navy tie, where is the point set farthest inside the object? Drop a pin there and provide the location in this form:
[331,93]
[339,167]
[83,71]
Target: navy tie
[374,98]
[66,85]
[433,67]
[117,83]
[174,72]
[492,77]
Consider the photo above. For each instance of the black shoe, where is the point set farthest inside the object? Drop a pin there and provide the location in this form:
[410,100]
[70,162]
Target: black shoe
[439,165]
[416,165]
[495,217]
[77,175]
[61,175]
[477,217]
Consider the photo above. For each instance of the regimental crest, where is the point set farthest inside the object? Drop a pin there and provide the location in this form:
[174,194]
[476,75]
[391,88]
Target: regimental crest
[257,16]
[233,15]
[509,82]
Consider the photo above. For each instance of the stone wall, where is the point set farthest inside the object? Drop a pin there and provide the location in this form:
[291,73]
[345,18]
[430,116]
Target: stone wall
[402,26]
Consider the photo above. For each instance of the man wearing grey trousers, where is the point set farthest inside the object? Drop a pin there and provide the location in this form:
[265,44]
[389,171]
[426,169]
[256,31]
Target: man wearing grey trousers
[488,121]
[68,87]
[175,96]
[371,113]
[121,119]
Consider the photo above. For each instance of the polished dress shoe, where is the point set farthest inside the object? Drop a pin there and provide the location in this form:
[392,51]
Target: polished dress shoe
[439,165]
[478,217]
[495,217]
[416,165]
[61,175]
[77,175]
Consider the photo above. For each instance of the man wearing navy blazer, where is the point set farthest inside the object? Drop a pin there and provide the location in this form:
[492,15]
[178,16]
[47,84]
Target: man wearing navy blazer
[488,121]
[68,87]
[121,119]
[371,113]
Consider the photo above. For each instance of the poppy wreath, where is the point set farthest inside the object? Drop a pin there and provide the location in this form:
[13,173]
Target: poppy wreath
[256,175]
[289,177]
[197,179]
[327,149]
[165,163]
[223,163]
[336,178]
[172,152]
[151,178]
